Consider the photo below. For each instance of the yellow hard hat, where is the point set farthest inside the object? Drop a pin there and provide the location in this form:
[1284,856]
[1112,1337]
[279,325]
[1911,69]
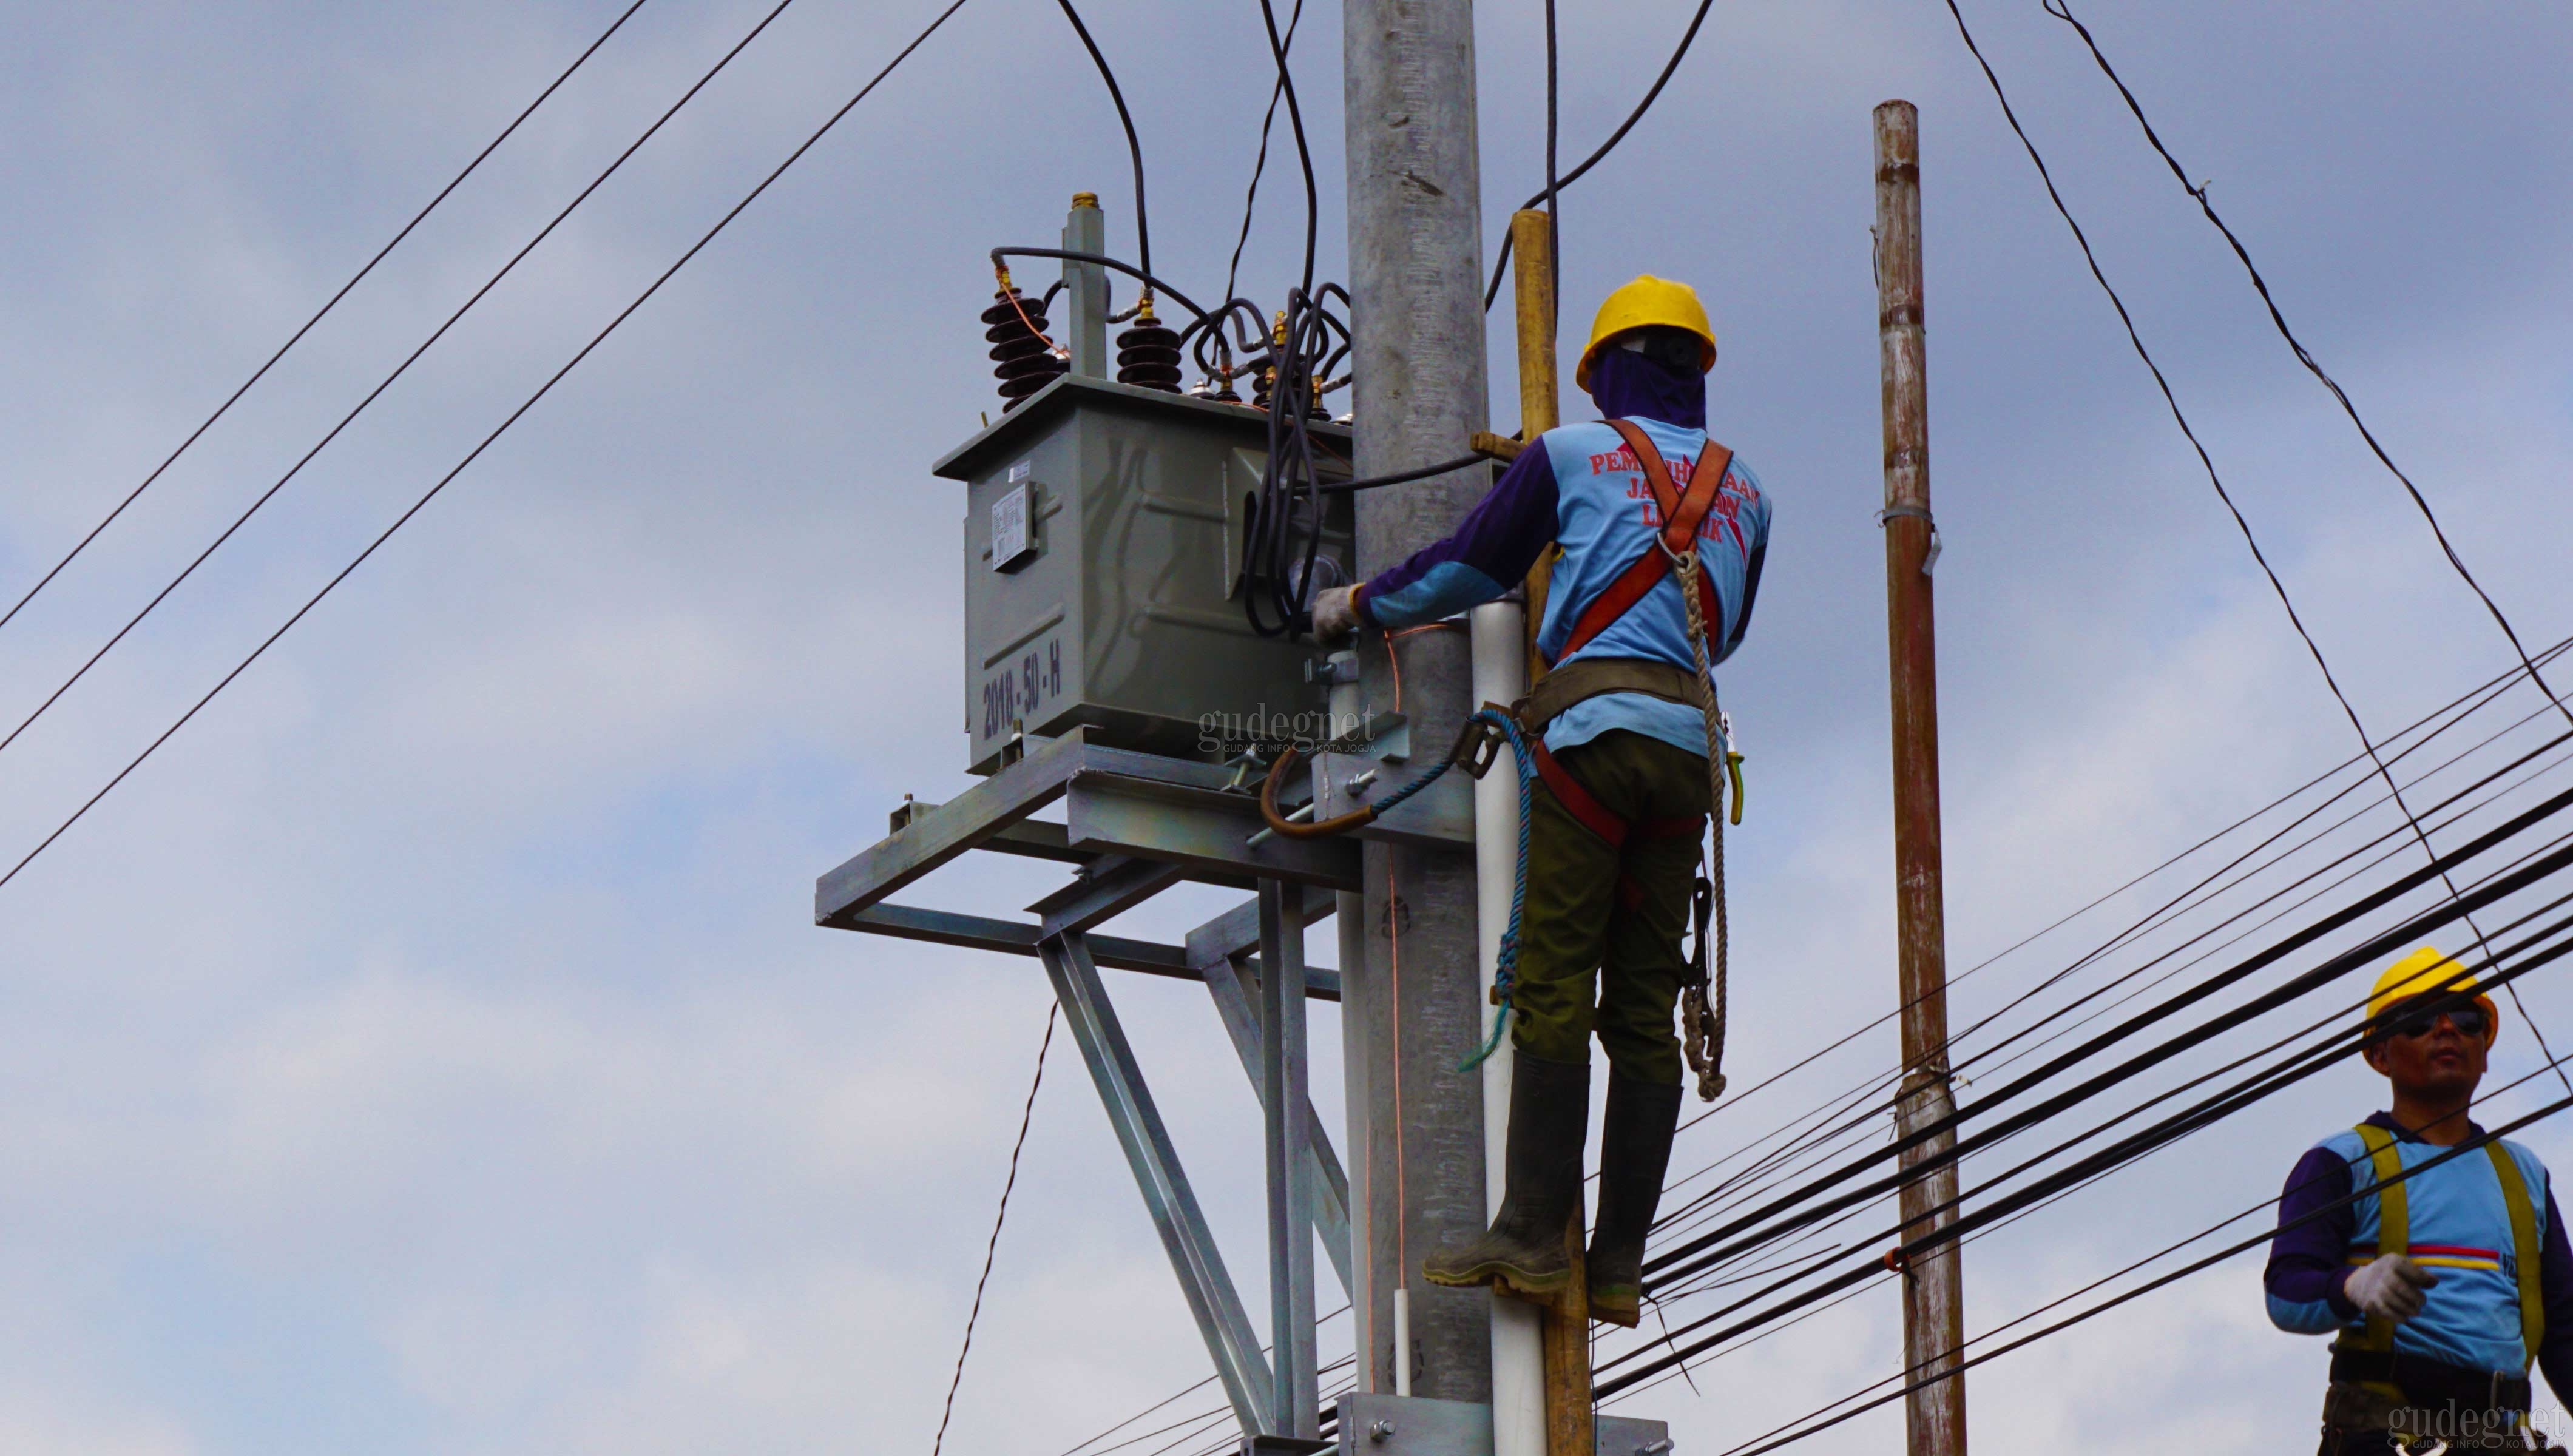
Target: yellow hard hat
[1646,302]
[2421,973]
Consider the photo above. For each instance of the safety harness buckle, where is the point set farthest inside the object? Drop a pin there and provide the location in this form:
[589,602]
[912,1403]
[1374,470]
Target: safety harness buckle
[1479,744]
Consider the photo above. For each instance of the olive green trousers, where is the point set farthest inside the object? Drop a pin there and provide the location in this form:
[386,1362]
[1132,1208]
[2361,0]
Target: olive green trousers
[1599,937]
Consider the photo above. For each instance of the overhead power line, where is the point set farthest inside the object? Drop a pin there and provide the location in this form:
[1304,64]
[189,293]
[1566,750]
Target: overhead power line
[497,430]
[1726,1240]
[1000,1216]
[388,381]
[1652,92]
[1259,163]
[2438,722]
[2180,418]
[2303,1063]
[2473,1145]
[319,313]
[2061,10]
[1126,119]
[1303,150]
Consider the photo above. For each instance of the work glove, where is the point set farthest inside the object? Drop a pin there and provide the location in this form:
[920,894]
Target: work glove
[2393,1287]
[1335,614]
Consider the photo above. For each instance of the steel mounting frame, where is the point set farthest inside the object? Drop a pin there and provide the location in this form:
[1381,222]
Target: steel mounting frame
[1133,825]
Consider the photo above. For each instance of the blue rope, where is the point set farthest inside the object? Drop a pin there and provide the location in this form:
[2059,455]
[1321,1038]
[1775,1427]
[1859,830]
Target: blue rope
[1506,966]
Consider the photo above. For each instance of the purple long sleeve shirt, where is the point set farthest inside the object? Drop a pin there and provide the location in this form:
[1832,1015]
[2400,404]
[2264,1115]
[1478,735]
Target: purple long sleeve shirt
[1527,512]
[2310,1262]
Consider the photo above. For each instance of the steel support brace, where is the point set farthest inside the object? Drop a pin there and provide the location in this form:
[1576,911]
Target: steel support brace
[1224,980]
[1295,1408]
[1229,1335]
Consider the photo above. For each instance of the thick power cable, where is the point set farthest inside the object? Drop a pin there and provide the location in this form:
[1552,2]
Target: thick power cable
[388,381]
[497,430]
[1126,119]
[2303,1065]
[1501,260]
[2471,1144]
[1000,1216]
[1839,1109]
[2372,948]
[2011,114]
[1553,182]
[1303,150]
[2465,702]
[327,305]
[1259,163]
[1713,1247]
[2063,11]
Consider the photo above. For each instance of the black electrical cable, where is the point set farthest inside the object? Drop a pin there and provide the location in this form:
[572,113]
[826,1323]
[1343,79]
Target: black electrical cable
[388,381]
[2172,1127]
[1854,1125]
[1767,1330]
[2463,706]
[1000,1216]
[1697,1251]
[1259,163]
[2340,964]
[1304,152]
[1140,275]
[1502,261]
[2259,1206]
[2063,11]
[2178,416]
[1126,119]
[1553,182]
[1979,1055]
[2305,1062]
[2471,1144]
[2169,909]
[1399,478]
[327,305]
[2213,1108]
[475,453]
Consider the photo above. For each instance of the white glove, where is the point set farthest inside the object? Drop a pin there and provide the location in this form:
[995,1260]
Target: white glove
[1335,614]
[2393,1287]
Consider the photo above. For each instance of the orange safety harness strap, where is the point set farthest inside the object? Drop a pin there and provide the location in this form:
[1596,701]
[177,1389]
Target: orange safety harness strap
[1600,820]
[1681,516]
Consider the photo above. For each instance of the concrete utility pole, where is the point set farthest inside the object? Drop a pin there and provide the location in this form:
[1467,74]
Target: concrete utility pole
[1412,1007]
[1934,1321]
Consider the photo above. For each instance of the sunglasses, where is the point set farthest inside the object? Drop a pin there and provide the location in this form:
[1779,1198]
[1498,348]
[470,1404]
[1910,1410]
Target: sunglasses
[2469,1021]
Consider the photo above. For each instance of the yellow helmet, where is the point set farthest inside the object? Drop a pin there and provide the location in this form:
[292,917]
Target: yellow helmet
[2421,973]
[1646,302]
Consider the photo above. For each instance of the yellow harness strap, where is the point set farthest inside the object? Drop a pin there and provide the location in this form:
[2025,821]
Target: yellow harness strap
[2525,1247]
[2393,1221]
[2394,1235]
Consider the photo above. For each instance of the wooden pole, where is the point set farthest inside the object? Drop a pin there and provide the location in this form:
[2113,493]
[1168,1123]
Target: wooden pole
[1571,1418]
[1933,1324]
[1541,406]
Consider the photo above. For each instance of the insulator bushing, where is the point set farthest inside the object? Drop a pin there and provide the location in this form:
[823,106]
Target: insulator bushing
[1020,359]
[1218,387]
[1148,355]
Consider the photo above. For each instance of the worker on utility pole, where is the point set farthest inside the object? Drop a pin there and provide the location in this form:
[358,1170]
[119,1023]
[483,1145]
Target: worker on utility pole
[1621,730]
[2449,1285]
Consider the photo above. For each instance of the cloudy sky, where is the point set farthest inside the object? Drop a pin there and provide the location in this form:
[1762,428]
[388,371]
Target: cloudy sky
[429,1049]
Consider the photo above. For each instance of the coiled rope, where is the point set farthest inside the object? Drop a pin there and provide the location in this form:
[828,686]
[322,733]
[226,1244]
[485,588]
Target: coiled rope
[1702,1023]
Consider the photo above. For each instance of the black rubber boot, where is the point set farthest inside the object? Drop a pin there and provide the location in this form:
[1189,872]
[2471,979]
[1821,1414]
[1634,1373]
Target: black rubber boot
[1634,1153]
[1525,1252]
